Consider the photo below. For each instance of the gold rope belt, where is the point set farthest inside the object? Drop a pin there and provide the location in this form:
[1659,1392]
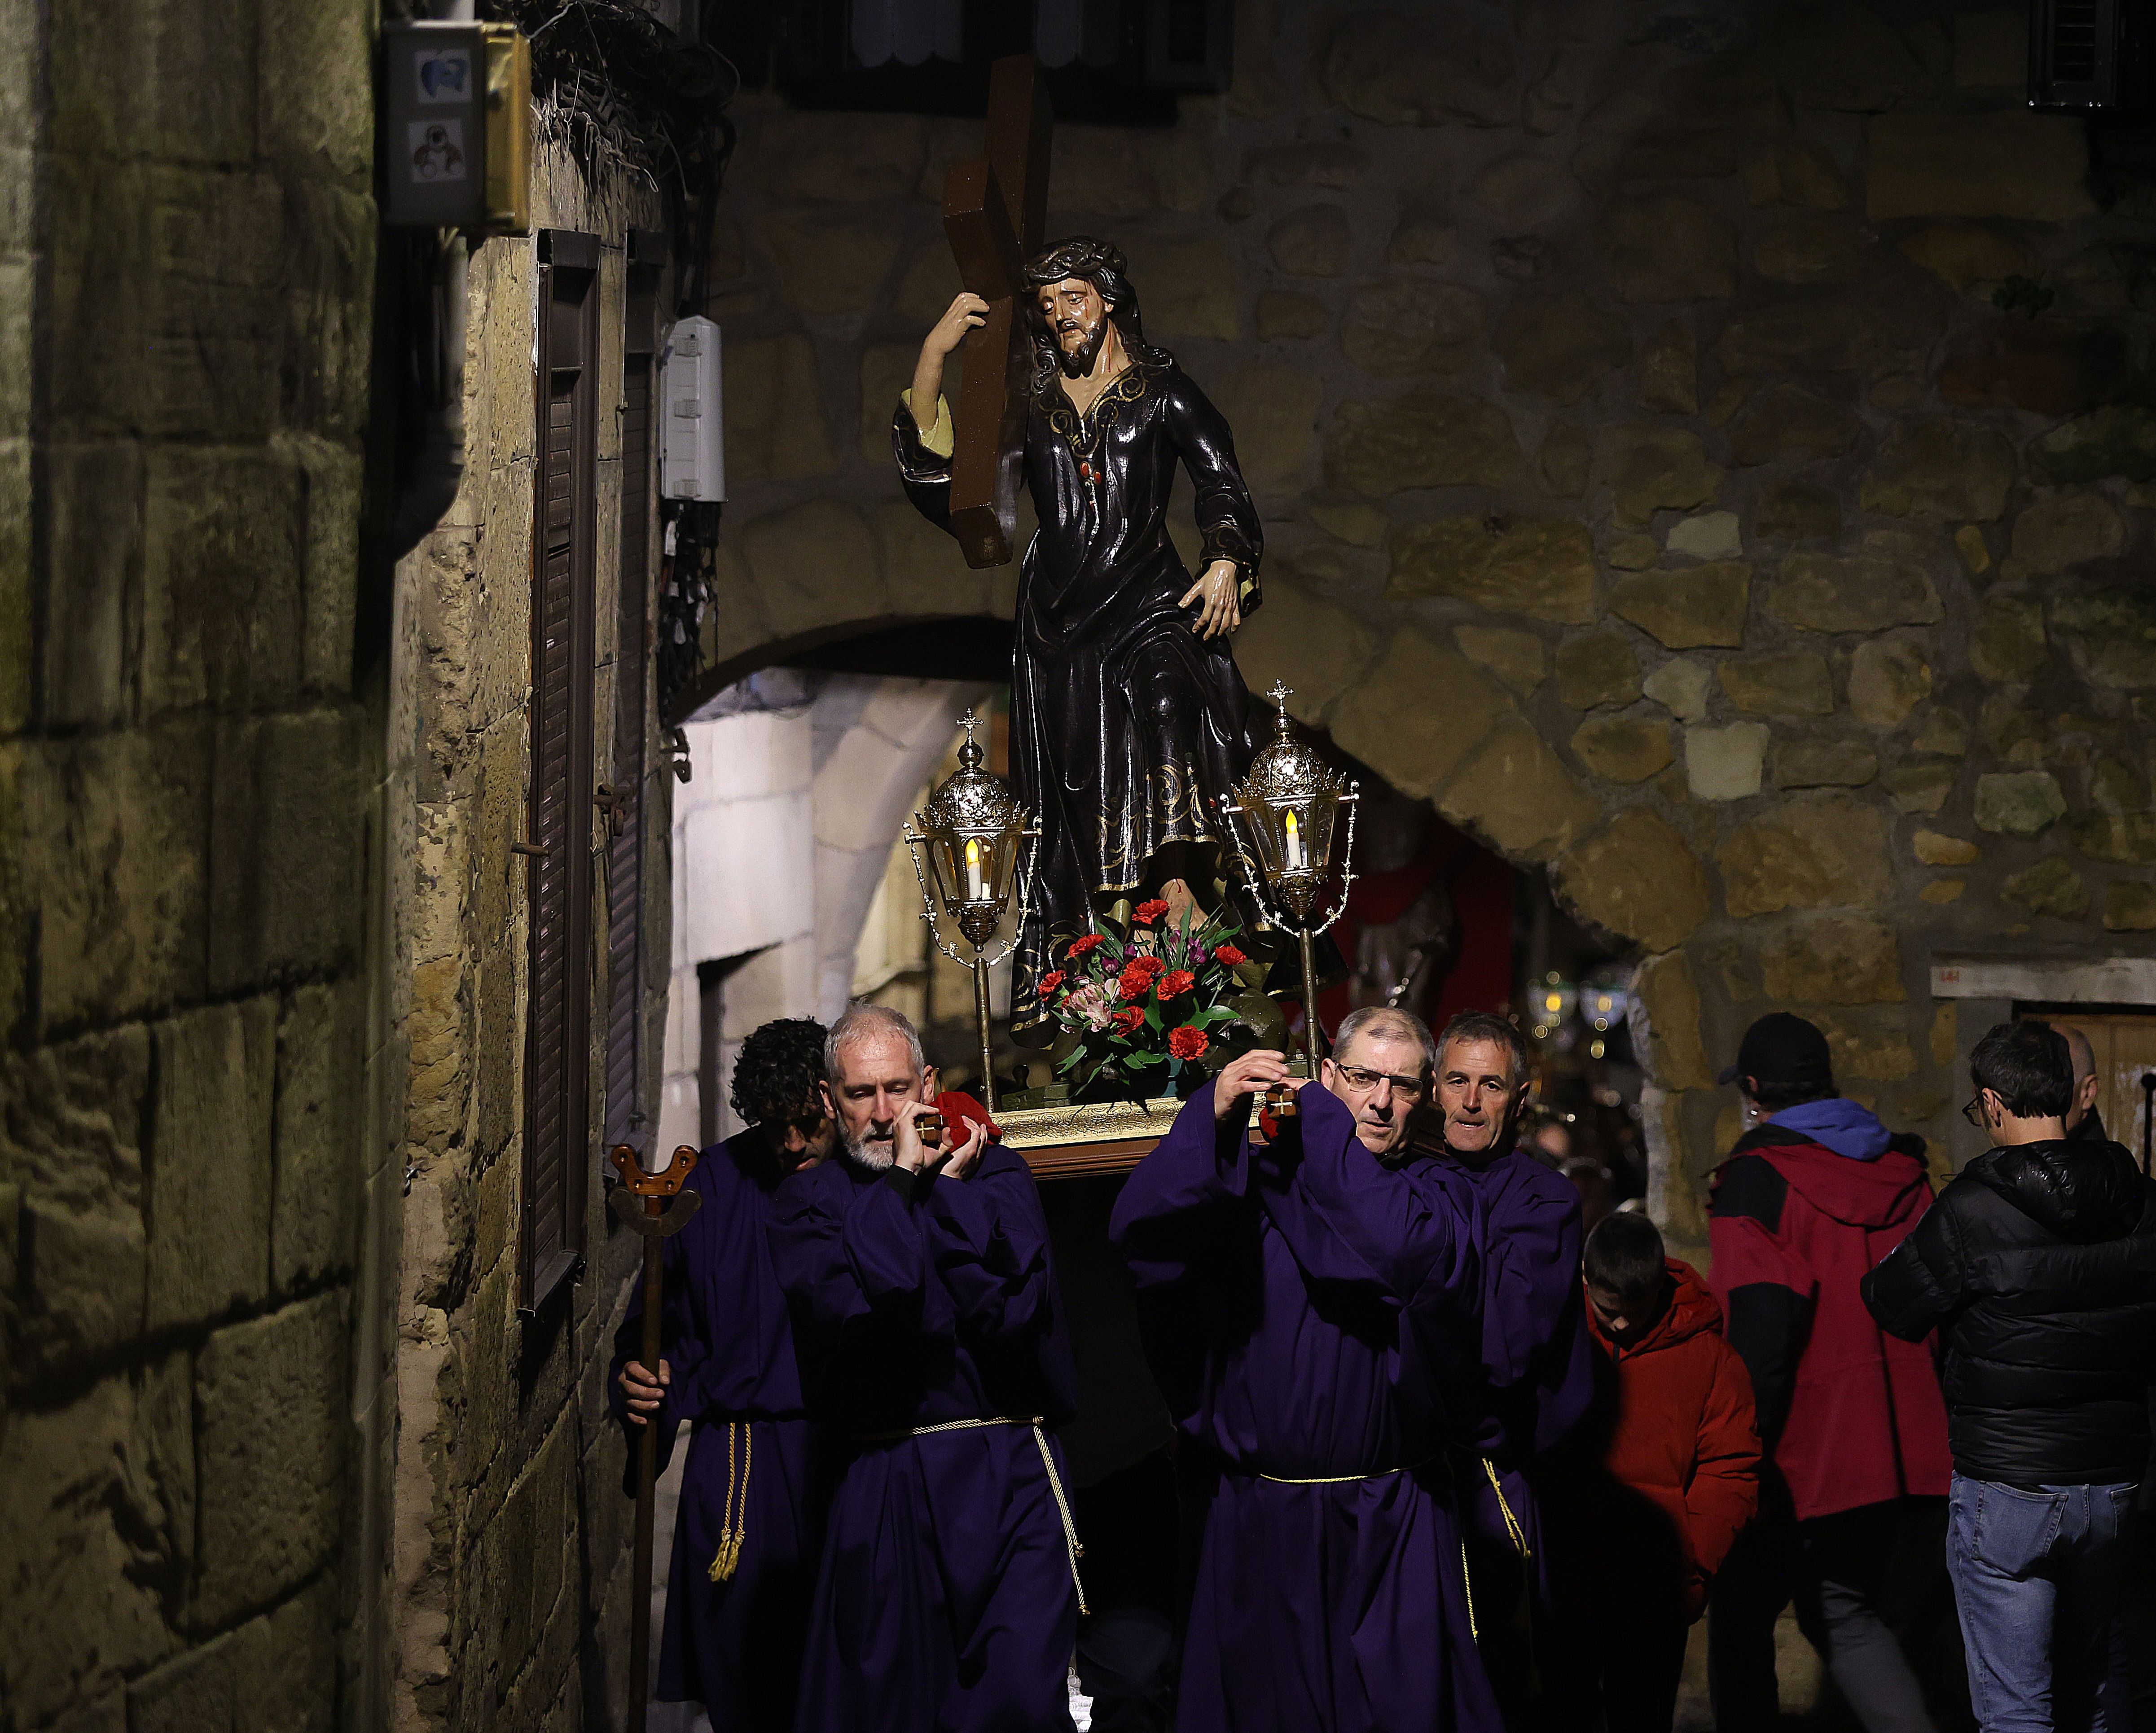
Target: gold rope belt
[1047,1461]
[733,1529]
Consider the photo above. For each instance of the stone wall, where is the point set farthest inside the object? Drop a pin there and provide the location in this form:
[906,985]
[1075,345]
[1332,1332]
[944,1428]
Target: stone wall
[510,1571]
[190,1084]
[1649,476]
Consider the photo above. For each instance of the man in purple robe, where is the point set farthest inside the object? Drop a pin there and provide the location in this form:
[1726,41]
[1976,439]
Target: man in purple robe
[1309,1304]
[747,1530]
[931,1345]
[1537,1371]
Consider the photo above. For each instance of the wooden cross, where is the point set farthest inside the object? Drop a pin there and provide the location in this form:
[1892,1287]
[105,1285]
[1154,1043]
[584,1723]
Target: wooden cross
[994,209]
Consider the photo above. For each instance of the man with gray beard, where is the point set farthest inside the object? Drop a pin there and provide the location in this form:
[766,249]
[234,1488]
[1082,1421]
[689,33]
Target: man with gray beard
[931,1343]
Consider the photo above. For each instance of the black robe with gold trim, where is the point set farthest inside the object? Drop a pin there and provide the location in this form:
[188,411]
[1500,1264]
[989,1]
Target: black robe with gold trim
[1125,727]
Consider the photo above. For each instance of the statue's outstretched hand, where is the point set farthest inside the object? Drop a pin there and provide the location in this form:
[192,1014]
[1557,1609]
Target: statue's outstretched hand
[965,313]
[1218,609]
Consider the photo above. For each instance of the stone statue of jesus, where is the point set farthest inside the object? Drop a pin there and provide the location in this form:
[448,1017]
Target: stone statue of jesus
[1129,718]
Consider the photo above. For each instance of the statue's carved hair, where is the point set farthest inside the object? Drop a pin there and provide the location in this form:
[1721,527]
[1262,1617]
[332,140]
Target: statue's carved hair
[1102,264]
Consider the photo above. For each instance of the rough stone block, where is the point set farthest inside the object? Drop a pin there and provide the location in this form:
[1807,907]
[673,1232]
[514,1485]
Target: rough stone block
[1888,678]
[927,573]
[1832,959]
[315,1154]
[1622,748]
[1667,248]
[1636,878]
[2020,803]
[287,847]
[1650,468]
[1794,171]
[2011,163]
[1423,69]
[846,158]
[314,110]
[2110,635]
[1826,852]
[2067,529]
[1283,313]
[1362,525]
[1320,648]
[334,476]
[1920,789]
[1698,606]
[1824,764]
[2117,439]
[1936,849]
[92,592]
[1560,345]
[2050,887]
[208,1201]
[1711,535]
[271,1396]
[1785,422]
[1119,172]
[1421,439]
[94,1532]
[1516,658]
[1543,568]
[1791,683]
[224,560]
[1597,667]
[830,261]
[1867,591]
[119,828]
[1941,470]
[1312,242]
[1410,325]
[1727,762]
[1416,712]
[1796,511]
[2129,907]
[1667,999]
[1188,285]
[185,90]
[1681,686]
[1274,412]
[2009,643]
[1515,791]
[1810,249]
[1566,462]
[1669,371]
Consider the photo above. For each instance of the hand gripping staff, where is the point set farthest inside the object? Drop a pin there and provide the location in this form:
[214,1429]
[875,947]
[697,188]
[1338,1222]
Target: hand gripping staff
[640,1200]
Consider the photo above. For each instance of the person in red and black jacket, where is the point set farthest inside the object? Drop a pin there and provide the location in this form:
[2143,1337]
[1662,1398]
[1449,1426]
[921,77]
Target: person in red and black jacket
[1641,1501]
[1851,1418]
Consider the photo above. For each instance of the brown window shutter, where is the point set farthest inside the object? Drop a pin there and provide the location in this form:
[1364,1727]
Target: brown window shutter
[557,1013]
[624,1031]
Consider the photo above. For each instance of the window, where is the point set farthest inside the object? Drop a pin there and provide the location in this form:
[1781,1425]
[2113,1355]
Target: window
[557,1010]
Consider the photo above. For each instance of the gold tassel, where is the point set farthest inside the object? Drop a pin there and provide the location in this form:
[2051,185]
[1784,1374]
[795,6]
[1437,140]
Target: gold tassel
[733,1525]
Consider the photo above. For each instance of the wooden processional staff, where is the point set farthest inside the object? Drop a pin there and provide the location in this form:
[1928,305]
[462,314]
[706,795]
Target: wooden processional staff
[640,1200]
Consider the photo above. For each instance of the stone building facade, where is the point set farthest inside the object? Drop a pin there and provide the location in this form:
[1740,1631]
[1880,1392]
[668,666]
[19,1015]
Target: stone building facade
[1653,476]
[286,1443]
[200,1073]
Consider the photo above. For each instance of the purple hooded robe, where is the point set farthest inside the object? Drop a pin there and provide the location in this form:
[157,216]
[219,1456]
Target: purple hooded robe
[734,1646]
[1308,1310]
[946,1602]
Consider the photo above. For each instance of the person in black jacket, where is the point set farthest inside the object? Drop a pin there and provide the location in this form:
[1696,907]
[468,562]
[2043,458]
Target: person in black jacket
[2038,1266]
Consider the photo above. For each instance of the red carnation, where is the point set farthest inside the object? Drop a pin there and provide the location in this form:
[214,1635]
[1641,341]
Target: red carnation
[1050,982]
[1084,943]
[1187,1043]
[1227,955]
[1174,986]
[1126,1021]
[1149,912]
[1134,982]
[1150,964]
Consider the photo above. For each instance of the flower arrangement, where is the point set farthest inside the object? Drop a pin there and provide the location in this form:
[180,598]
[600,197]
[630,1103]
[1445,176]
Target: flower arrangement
[1152,1008]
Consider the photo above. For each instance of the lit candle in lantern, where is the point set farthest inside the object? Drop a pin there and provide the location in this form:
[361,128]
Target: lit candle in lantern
[1294,861]
[977,890]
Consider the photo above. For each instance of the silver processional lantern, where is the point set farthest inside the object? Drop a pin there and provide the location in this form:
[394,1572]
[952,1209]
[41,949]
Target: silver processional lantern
[1290,804]
[974,830]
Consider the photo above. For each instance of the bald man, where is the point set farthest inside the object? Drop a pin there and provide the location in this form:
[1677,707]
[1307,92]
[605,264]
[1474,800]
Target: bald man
[2084,1123]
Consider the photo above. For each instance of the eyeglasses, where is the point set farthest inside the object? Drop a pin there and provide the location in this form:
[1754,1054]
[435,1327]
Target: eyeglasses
[1408,1089]
[1973,1111]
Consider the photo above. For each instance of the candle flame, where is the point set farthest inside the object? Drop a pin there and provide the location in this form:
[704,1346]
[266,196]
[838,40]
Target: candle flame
[1290,824]
[972,852]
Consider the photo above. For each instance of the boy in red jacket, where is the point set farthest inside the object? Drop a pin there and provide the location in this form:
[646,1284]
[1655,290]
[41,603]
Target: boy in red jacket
[1641,1501]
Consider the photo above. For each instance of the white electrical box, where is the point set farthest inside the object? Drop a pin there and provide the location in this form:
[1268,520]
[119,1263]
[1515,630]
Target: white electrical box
[692,441]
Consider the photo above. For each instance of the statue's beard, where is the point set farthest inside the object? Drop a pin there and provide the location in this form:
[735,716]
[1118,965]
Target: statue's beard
[876,1154]
[1077,363]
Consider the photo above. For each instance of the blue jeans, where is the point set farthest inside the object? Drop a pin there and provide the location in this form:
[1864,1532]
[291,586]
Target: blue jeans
[2036,1578]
